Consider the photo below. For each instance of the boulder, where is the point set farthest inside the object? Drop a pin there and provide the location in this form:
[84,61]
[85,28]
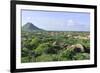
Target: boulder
[77,48]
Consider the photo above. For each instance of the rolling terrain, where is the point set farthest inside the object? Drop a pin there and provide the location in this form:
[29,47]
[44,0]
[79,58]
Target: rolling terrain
[38,45]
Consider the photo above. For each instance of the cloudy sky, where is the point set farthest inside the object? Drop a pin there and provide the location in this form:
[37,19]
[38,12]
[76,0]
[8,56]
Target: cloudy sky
[57,21]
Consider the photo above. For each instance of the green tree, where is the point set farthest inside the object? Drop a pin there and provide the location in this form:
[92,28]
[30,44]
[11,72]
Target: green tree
[35,42]
[42,48]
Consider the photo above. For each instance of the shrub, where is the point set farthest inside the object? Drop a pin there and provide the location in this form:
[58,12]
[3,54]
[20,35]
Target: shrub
[86,43]
[24,52]
[26,44]
[42,48]
[82,56]
[24,59]
[35,42]
[54,49]
[67,55]
[44,58]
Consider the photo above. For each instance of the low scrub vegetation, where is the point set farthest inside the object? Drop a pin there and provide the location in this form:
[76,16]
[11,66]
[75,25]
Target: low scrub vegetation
[44,46]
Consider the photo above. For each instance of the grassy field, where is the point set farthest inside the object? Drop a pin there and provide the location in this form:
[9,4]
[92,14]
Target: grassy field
[46,46]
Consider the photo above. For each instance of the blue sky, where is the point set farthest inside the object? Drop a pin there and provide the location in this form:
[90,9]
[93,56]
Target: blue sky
[57,21]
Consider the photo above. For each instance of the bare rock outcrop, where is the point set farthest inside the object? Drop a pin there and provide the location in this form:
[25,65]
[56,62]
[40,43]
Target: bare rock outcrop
[77,48]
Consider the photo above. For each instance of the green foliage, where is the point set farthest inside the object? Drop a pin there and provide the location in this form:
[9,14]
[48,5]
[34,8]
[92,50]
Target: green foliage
[35,42]
[81,56]
[44,46]
[54,49]
[25,59]
[24,52]
[44,58]
[67,55]
[86,43]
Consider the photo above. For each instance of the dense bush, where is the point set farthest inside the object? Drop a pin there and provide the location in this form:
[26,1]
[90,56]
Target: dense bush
[25,59]
[51,46]
[66,55]
[44,58]
[24,52]
[35,42]
[42,48]
[81,56]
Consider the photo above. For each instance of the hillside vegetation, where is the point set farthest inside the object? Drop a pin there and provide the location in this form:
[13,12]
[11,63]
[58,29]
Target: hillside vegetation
[44,46]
